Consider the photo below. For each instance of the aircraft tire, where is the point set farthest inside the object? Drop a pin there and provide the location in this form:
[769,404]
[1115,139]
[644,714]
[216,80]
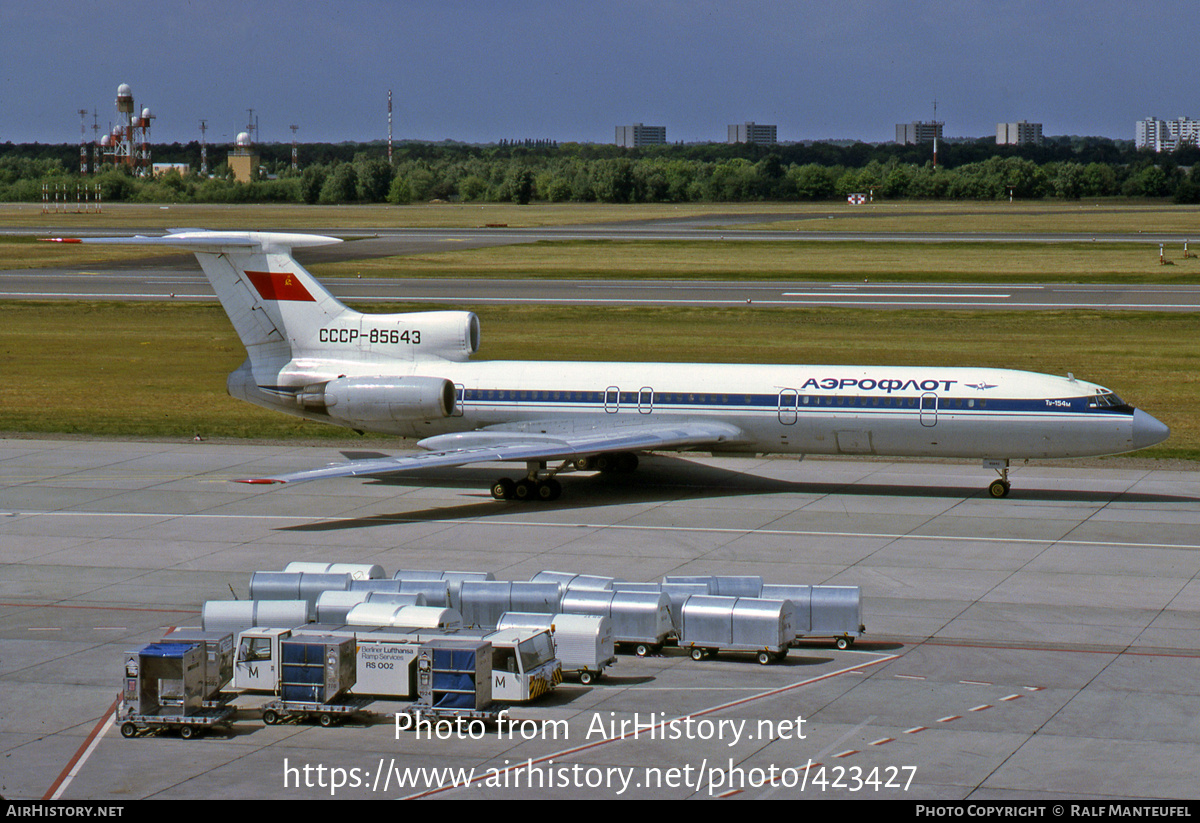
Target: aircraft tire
[524,489]
[626,462]
[503,489]
[998,489]
[548,490]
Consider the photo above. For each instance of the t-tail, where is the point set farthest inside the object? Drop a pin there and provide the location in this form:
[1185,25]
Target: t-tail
[306,350]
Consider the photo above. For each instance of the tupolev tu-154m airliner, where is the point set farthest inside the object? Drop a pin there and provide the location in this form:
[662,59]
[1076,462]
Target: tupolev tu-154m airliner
[411,374]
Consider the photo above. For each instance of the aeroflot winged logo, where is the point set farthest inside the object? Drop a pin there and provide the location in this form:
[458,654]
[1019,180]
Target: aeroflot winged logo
[279,285]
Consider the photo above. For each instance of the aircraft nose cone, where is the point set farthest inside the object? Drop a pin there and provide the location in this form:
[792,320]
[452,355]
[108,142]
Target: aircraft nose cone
[1147,430]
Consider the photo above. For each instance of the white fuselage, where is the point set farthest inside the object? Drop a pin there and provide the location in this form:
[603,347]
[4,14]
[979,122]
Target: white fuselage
[912,411]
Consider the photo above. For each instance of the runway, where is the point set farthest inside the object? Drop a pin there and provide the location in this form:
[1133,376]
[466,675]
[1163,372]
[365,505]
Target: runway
[181,285]
[1038,647]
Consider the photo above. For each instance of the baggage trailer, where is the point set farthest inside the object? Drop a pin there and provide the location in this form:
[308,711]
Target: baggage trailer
[163,691]
[640,620]
[824,611]
[713,624]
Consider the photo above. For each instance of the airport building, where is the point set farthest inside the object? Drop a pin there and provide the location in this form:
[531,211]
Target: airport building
[1166,135]
[914,133]
[638,135]
[1020,133]
[752,133]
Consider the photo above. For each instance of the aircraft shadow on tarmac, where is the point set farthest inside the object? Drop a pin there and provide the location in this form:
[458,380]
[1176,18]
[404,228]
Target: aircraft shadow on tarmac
[664,478]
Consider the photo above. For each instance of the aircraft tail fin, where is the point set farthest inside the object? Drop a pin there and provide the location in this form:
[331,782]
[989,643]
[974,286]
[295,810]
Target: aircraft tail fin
[276,307]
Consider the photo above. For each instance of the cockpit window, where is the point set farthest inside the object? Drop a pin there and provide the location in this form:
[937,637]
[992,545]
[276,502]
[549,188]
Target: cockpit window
[1105,399]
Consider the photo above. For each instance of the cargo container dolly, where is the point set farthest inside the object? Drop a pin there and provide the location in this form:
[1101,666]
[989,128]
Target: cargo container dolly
[325,714]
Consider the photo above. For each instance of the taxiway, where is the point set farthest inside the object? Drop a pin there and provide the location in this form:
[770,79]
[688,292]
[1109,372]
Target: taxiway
[1042,646]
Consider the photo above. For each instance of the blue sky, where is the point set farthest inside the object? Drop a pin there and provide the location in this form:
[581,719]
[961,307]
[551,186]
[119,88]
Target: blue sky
[484,71]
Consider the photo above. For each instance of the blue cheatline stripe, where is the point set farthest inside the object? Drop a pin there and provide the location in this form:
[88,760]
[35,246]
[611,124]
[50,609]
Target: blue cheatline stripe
[772,402]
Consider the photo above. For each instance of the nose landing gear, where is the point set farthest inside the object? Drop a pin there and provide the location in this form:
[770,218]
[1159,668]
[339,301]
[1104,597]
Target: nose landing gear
[999,487]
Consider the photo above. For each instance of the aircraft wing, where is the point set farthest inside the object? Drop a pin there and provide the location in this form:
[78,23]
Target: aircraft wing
[488,446]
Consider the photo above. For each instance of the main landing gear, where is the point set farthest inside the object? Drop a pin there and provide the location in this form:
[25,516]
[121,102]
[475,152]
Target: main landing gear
[540,484]
[999,487]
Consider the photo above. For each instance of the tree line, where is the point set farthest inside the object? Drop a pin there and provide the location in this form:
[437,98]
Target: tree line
[1066,168]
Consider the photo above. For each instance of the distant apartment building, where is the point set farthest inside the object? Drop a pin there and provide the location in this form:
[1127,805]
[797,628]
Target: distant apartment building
[1020,133]
[637,135]
[913,133]
[1166,135]
[752,133]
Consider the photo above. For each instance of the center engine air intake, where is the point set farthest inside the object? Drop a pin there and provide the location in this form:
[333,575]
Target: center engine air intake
[379,399]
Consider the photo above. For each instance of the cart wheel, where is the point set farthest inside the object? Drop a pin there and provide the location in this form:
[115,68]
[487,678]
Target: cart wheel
[270,717]
[642,649]
[585,678]
[128,730]
[843,643]
[325,719]
[764,658]
[697,653]
[187,732]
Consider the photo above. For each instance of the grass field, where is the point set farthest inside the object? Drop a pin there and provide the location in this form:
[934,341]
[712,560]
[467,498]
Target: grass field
[1084,216]
[1101,217]
[159,369]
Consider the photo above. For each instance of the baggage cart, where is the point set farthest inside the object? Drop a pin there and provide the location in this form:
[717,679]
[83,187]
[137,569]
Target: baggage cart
[824,611]
[640,620]
[713,624]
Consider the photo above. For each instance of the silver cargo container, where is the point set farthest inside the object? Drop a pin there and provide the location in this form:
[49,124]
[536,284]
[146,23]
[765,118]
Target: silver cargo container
[237,615]
[678,593]
[435,592]
[570,580]
[824,611]
[415,617]
[416,599]
[453,579]
[218,656]
[641,620]
[388,585]
[306,586]
[485,601]
[712,624]
[357,571]
[332,606]
[737,585]
[582,642]
[721,585]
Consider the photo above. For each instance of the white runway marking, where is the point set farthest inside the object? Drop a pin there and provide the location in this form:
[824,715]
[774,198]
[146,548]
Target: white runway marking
[617,527]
